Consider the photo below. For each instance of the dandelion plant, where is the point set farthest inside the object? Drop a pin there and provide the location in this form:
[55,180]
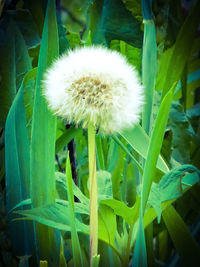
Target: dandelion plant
[92,86]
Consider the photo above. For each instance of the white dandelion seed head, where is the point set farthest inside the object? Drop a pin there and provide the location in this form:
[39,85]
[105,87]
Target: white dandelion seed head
[97,85]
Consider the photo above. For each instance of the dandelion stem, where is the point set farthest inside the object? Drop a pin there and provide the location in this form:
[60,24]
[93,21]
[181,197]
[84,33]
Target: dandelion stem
[93,193]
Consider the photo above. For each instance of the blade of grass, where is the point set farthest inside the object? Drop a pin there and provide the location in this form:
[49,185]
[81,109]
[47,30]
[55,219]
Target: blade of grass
[149,70]
[17,162]
[149,171]
[77,255]
[155,145]
[184,242]
[140,254]
[43,187]
[139,141]
[136,163]
[65,138]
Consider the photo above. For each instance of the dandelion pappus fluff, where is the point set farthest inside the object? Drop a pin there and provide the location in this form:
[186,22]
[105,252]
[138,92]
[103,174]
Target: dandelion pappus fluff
[96,85]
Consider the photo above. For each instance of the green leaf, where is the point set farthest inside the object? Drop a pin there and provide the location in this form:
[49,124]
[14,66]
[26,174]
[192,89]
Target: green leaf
[107,218]
[135,162]
[14,63]
[61,185]
[134,7]
[43,140]
[17,163]
[172,185]
[132,54]
[149,71]
[130,215]
[104,185]
[73,39]
[26,25]
[183,46]
[155,146]
[55,215]
[140,254]
[77,256]
[130,28]
[188,249]
[182,134]
[117,173]
[65,138]
[139,141]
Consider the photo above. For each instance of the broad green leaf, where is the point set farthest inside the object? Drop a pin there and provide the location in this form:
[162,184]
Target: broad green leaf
[104,185]
[79,208]
[188,249]
[73,39]
[182,134]
[139,141]
[107,218]
[172,186]
[55,215]
[130,215]
[130,28]
[61,185]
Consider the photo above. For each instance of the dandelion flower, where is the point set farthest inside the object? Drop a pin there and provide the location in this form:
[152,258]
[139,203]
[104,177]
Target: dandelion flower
[94,85]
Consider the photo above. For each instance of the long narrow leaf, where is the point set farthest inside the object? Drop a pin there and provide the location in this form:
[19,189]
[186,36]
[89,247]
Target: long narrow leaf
[185,244]
[18,170]
[43,185]
[139,141]
[155,145]
[77,256]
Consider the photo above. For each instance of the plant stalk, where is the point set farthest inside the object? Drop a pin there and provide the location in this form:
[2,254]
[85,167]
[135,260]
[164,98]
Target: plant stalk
[93,193]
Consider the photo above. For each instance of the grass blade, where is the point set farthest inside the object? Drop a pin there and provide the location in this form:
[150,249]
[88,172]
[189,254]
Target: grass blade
[139,141]
[155,145]
[17,157]
[77,255]
[185,244]
[43,186]
[149,70]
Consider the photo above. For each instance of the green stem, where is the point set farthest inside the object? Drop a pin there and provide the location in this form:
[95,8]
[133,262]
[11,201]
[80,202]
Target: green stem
[93,194]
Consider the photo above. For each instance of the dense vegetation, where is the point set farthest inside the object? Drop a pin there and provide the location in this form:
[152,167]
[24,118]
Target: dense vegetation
[148,175]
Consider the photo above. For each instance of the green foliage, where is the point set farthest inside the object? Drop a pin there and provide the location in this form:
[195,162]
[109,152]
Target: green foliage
[148,190]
